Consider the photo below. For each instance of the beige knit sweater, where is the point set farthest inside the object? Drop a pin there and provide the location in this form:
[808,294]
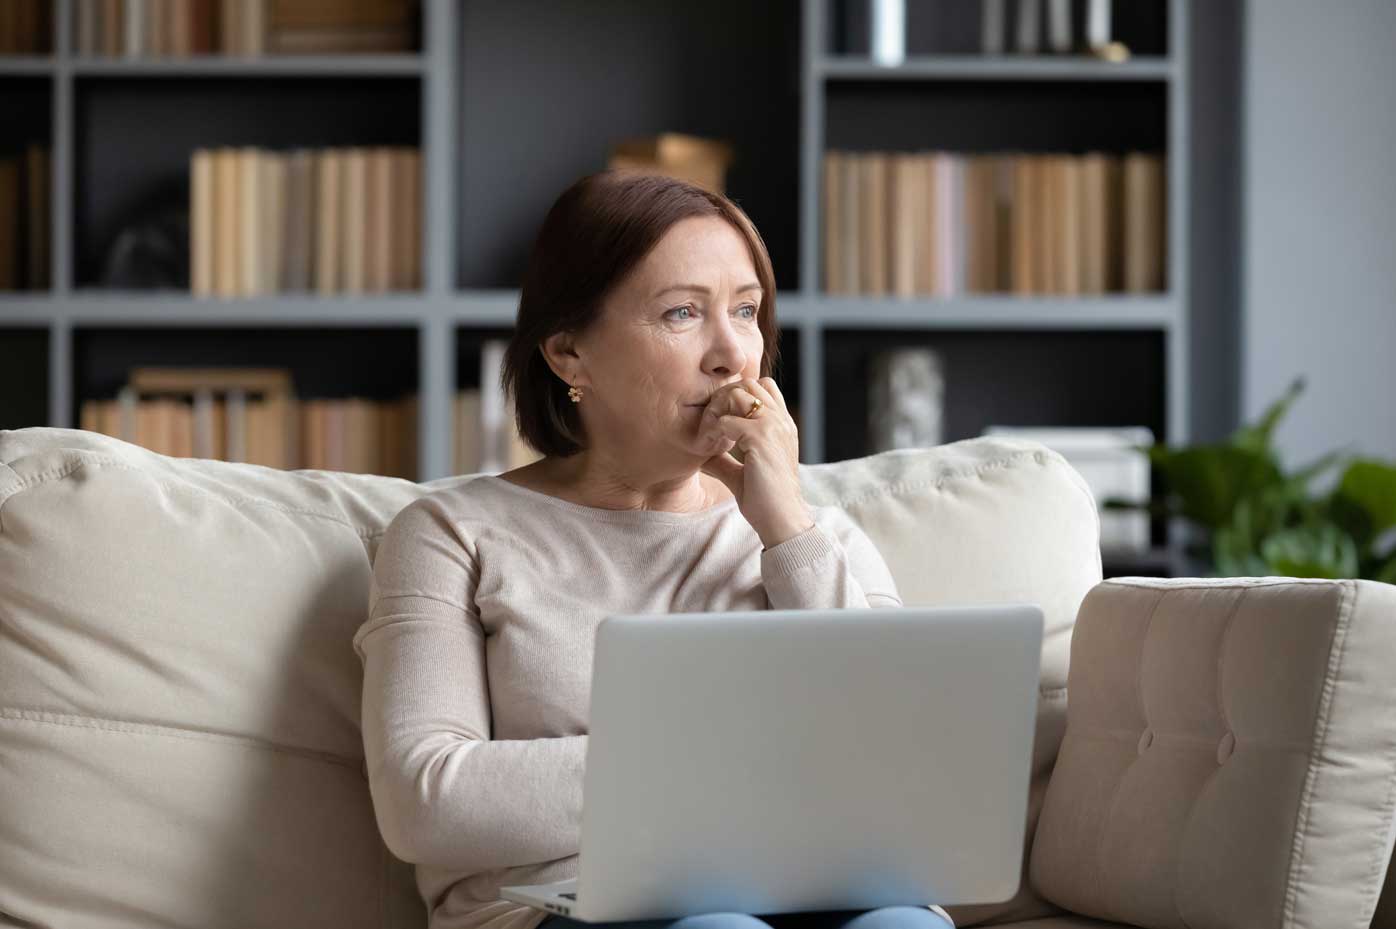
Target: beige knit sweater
[477,659]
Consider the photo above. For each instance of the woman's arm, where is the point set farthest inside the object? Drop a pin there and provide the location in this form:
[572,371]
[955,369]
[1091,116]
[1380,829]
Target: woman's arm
[830,565]
[443,793]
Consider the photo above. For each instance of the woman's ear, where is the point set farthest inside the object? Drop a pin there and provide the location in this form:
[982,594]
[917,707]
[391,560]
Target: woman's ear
[560,352]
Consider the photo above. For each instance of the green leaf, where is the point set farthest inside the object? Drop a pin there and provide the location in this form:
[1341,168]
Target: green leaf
[1257,437]
[1233,554]
[1311,551]
[1372,486]
[1159,508]
[1387,573]
[1210,480]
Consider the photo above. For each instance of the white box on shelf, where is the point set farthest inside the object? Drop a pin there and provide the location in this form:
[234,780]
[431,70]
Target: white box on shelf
[1107,459]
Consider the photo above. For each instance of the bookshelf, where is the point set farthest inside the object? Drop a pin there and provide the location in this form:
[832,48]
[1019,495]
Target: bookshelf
[498,147]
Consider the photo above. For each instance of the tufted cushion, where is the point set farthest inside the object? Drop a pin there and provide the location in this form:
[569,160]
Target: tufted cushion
[1230,755]
[179,700]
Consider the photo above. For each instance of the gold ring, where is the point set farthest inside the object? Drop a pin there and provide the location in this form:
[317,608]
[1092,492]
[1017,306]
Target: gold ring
[756,404]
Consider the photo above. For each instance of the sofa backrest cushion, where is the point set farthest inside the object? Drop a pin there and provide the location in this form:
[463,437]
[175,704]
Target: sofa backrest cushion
[1230,755]
[179,699]
[985,520]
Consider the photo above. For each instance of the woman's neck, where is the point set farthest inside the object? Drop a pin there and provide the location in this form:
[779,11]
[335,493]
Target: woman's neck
[589,480]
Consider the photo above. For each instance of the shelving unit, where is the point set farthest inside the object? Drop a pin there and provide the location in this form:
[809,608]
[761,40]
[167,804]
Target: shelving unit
[511,104]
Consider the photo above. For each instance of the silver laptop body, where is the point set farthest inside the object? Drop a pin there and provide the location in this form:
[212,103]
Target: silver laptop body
[787,761]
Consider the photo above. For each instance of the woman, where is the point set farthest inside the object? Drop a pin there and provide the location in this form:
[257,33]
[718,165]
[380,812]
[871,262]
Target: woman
[640,362]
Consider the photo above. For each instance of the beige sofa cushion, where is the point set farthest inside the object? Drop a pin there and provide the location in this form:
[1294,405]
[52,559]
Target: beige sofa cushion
[179,699]
[1230,755]
[980,521]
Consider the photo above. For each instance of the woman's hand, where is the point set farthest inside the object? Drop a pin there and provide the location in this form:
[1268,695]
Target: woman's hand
[766,482]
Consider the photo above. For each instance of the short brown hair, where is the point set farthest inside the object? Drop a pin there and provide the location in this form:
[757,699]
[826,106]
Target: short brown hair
[599,229]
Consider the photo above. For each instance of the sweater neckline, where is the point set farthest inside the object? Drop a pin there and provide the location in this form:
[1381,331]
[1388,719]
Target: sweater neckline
[652,516]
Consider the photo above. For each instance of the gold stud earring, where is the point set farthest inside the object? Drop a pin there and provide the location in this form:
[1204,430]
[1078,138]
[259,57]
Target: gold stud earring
[574,394]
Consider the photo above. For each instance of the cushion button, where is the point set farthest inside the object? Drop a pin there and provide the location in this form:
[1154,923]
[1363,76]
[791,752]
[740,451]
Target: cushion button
[1227,746]
[1146,738]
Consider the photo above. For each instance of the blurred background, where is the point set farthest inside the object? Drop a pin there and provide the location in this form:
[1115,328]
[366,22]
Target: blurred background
[1155,235]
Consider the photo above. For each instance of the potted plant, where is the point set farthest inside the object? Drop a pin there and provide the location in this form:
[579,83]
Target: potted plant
[1256,520]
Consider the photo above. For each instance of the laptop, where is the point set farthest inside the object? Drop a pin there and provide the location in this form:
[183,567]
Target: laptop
[798,760]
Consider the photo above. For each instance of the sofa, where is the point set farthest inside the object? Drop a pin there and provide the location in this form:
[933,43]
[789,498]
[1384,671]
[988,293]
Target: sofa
[179,700]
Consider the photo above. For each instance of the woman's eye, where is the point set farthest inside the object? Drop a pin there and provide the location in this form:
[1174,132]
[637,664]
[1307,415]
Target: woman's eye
[681,309]
[752,309]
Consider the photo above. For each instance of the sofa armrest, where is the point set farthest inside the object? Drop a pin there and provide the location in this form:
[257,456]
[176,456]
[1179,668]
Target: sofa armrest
[1229,757]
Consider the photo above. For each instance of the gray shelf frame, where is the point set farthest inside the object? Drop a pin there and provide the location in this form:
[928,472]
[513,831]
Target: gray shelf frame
[440,309]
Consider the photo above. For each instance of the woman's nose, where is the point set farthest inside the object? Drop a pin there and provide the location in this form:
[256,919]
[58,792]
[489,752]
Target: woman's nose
[725,355]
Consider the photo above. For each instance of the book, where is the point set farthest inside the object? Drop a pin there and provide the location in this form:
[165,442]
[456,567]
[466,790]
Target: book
[873,224]
[1059,25]
[113,27]
[416,218]
[202,226]
[134,31]
[230,28]
[903,205]
[927,244]
[1144,223]
[404,218]
[850,235]
[833,222]
[1024,223]
[991,26]
[1094,224]
[298,234]
[355,240]
[272,215]
[340,41]
[328,221]
[249,214]
[203,27]
[379,221]
[9,224]
[227,237]
[981,225]
[1029,26]
[86,24]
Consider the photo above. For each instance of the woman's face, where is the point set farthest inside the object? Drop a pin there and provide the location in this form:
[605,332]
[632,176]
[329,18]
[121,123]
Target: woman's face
[681,325]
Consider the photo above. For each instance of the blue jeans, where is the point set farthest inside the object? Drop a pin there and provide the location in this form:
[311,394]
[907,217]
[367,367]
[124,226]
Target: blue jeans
[885,917]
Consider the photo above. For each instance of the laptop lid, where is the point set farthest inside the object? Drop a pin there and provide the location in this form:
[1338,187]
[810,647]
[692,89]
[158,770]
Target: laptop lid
[784,761]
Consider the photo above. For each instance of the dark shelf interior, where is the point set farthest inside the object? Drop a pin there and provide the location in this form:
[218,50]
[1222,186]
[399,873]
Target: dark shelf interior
[134,138]
[379,363]
[26,120]
[24,394]
[953,27]
[1043,116]
[28,113]
[547,87]
[1017,378]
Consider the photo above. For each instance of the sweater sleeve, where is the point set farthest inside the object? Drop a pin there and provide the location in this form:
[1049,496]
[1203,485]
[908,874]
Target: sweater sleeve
[832,564]
[444,794]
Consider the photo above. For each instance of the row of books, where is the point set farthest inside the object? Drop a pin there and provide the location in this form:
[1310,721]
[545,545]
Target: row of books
[26,27]
[24,219]
[353,434]
[944,224]
[179,28]
[331,221]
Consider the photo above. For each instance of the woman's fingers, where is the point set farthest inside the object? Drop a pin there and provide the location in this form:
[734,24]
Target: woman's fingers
[770,384]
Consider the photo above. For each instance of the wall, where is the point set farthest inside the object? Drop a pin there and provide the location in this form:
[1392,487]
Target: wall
[1318,290]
